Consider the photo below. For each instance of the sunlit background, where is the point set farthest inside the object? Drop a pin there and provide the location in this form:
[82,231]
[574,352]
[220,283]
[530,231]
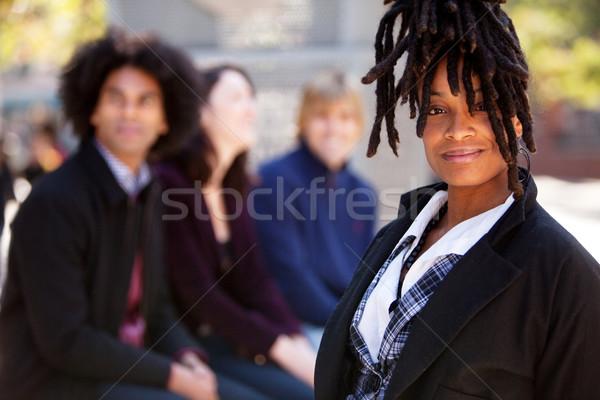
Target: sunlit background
[282,43]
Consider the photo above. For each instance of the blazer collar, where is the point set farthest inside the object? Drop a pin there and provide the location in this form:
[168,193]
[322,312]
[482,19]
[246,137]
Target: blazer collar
[468,287]
[410,205]
[336,344]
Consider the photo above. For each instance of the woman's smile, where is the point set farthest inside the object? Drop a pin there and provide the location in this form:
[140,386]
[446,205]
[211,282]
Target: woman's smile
[462,155]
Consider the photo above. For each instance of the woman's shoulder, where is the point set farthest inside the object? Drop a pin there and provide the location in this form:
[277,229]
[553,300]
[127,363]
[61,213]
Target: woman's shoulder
[553,256]
[169,175]
[541,244]
[549,233]
[538,223]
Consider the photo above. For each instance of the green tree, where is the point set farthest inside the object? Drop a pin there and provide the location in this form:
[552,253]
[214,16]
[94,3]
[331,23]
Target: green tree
[562,41]
[46,32]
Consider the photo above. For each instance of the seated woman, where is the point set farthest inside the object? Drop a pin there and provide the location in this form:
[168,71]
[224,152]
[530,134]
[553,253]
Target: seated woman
[214,265]
[313,240]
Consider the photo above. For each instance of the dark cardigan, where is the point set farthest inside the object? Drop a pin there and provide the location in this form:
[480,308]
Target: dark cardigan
[73,245]
[518,317]
[242,303]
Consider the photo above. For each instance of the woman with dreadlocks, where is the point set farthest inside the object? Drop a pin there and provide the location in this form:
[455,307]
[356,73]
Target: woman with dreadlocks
[474,292]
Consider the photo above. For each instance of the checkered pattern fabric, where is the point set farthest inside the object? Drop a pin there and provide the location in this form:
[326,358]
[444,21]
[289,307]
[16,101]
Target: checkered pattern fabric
[131,184]
[374,376]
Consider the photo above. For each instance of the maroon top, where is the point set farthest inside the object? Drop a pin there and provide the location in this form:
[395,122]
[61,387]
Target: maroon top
[233,296]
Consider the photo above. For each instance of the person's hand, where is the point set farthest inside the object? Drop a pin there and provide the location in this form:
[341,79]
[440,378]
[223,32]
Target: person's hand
[295,355]
[192,361]
[194,382]
[302,341]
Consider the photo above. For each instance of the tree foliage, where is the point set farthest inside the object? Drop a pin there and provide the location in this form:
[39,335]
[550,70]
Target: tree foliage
[46,32]
[562,41]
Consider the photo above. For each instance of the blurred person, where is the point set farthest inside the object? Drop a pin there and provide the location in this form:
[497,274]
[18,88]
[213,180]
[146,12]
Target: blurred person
[214,265]
[475,291]
[318,216]
[7,194]
[85,312]
[44,153]
[6,187]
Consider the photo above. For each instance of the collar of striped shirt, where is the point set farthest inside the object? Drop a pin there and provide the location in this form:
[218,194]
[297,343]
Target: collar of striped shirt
[131,183]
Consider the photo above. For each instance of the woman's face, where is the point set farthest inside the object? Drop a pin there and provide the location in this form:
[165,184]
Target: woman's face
[230,112]
[461,148]
[331,131]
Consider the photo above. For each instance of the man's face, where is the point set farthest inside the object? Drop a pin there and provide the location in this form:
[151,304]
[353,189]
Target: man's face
[129,115]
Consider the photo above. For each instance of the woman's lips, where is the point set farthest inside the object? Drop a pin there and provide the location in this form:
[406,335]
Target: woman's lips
[461,156]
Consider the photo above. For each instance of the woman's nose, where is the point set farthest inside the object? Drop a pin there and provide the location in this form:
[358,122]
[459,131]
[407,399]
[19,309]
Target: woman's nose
[460,127]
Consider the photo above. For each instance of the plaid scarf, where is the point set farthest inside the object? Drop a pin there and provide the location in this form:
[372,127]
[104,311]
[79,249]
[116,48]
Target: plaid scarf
[374,377]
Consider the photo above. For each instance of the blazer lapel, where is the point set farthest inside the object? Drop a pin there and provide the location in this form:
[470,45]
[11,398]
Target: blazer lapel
[332,365]
[478,277]
[332,361]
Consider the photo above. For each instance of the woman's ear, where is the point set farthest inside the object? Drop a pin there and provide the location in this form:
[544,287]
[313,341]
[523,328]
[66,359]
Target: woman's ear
[517,125]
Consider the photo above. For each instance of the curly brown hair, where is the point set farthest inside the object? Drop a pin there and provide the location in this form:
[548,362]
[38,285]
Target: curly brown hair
[476,31]
[83,77]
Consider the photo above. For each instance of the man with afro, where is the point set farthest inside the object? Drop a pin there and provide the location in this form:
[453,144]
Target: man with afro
[85,312]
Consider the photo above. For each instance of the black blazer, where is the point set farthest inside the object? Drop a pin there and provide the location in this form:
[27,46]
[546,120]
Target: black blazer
[70,260]
[518,317]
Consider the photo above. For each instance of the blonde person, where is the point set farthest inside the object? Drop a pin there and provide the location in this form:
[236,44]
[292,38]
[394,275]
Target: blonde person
[315,216]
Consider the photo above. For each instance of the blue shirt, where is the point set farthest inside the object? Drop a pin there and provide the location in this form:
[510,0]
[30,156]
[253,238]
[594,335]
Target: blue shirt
[313,226]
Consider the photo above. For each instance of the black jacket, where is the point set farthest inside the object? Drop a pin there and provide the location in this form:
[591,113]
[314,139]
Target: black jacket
[70,261]
[518,317]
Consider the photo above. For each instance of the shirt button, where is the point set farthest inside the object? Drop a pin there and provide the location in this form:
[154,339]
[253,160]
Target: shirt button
[259,359]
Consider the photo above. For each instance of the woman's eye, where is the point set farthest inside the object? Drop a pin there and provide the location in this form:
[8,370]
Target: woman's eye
[435,111]
[479,107]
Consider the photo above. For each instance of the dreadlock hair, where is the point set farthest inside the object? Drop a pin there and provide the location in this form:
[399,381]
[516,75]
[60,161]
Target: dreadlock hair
[198,157]
[82,79]
[481,34]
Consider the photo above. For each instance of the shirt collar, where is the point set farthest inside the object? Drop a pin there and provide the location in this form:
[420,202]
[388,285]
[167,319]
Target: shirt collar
[473,228]
[131,183]
[427,213]
[457,240]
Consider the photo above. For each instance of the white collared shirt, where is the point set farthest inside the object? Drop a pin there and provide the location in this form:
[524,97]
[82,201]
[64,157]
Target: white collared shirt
[457,240]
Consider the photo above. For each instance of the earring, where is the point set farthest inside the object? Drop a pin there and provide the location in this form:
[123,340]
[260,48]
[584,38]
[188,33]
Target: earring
[525,153]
